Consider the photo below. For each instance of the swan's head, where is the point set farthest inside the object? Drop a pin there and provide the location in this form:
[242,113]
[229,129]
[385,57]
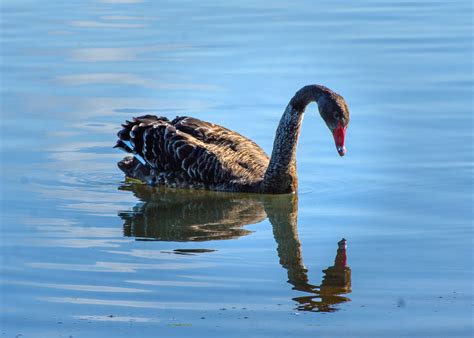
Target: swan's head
[335,113]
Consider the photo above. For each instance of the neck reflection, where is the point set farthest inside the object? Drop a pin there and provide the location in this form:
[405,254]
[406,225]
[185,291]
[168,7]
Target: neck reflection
[183,215]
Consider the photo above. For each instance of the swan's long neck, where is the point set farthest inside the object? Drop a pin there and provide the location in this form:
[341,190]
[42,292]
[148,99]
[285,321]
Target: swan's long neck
[280,176]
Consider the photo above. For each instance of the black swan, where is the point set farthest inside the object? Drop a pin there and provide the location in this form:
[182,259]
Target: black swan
[188,152]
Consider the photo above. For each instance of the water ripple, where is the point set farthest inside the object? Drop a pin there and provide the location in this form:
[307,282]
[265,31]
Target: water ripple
[119,267]
[187,284]
[77,287]
[157,305]
[111,318]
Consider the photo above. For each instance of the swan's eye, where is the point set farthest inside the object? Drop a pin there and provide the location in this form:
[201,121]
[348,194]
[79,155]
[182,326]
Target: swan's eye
[336,115]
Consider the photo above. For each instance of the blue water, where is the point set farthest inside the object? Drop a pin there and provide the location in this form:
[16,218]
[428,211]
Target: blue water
[85,254]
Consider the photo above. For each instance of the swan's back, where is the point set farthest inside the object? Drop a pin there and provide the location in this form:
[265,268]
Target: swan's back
[188,152]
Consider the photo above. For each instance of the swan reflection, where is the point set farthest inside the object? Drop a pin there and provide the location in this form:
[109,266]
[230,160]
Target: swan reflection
[180,215]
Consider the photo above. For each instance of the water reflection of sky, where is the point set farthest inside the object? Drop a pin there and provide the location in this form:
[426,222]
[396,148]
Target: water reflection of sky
[402,197]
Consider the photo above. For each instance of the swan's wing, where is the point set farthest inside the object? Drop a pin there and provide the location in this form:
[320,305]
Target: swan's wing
[243,151]
[208,153]
[127,136]
[168,151]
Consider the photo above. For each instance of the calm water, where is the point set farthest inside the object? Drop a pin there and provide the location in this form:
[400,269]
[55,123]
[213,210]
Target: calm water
[84,254]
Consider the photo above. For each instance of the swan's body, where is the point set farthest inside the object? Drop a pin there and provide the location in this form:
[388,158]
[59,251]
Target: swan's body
[188,152]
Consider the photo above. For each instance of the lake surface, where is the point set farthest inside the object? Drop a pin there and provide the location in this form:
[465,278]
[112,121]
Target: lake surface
[85,254]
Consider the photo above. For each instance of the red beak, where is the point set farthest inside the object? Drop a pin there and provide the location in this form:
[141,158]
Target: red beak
[339,134]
